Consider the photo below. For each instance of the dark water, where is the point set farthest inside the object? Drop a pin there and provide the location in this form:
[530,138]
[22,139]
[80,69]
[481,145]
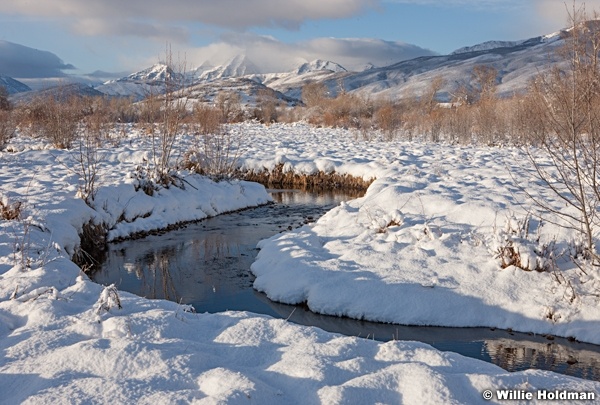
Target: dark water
[207,265]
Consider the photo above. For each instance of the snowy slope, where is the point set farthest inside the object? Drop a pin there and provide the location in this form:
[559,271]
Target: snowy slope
[13,86]
[291,83]
[487,46]
[516,64]
[249,91]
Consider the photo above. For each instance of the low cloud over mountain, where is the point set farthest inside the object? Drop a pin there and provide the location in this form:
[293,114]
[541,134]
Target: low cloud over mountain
[272,55]
[23,62]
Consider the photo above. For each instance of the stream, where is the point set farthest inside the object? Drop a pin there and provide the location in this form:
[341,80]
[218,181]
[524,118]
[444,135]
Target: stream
[207,265]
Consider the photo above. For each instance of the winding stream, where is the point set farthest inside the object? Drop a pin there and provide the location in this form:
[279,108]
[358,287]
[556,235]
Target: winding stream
[207,265]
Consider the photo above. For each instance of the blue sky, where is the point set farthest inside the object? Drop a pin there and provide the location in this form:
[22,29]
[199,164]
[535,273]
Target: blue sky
[127,35]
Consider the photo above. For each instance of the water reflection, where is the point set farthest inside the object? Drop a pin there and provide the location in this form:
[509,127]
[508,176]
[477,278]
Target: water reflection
[560,357]
[207,265]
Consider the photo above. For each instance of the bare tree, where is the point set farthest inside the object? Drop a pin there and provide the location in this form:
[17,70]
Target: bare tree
[169,111]
[568,103]
[484,78]
[230,105]
[4,102]
[7,124]
[57,117]
[313,94]
[429,105]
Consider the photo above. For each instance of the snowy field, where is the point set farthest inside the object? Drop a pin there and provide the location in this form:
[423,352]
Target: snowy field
[419,248]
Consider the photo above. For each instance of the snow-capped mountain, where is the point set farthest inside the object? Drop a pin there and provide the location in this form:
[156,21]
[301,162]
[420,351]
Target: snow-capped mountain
[13,86]
[237,67]
[516,62]
[291,83]
[368,66]
[141,84]
[155,74]
[319,64]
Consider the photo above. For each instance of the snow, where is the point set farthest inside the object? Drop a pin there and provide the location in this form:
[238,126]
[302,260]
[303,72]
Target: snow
[415,247]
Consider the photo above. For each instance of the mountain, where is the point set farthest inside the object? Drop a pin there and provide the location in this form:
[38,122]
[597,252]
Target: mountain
[58,92]
[319,64]
[249,91]
[291,83]
[140,84]
[237,67]
[13,86]
[516,62]
[368,66]
[152,80]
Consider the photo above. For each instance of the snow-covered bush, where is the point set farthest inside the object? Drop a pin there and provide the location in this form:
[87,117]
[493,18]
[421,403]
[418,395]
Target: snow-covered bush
[109,298]
[513,245]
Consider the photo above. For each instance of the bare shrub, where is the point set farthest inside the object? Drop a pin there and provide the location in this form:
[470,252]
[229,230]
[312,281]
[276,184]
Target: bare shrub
[7,127]
[57,117]
[458,124]
[215,154]
[164,116]
[95,129]
[207,119]
[347,111]
[266,106]
[109,299]
[388,118]
[230,105]
[517,246]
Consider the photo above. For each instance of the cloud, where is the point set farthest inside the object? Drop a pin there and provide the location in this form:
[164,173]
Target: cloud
[272,55]
[556,11]
[96,26]
[23,62]
[474,4]
[138,17]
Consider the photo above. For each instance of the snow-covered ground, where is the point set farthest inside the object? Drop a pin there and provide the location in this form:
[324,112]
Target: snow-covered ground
[417,248]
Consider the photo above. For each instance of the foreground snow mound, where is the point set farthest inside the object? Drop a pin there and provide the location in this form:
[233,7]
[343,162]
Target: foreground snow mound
[87,343]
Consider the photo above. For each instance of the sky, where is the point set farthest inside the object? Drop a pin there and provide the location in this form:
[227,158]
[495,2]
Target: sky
[83,36]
